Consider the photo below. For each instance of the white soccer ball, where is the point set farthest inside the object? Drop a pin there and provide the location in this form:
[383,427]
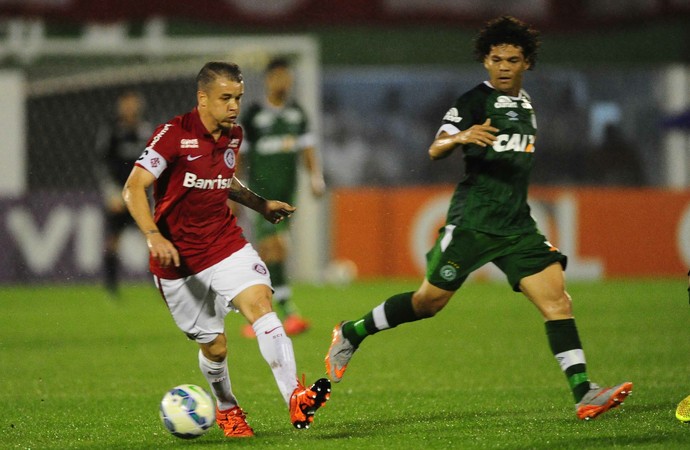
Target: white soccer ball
[340,272]
[187,411]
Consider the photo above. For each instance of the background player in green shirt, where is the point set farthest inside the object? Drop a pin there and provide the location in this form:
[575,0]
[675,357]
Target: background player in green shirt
[489,220]
[277,135]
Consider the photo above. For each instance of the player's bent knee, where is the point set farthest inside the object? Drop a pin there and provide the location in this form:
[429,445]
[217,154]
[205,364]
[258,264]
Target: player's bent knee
[254,302]
[558,309]
[215,350]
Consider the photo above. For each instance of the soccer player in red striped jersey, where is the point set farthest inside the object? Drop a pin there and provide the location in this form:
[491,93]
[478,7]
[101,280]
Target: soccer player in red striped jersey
[202,265]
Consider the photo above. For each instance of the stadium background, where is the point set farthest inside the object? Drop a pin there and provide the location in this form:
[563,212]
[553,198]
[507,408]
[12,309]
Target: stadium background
[612,90]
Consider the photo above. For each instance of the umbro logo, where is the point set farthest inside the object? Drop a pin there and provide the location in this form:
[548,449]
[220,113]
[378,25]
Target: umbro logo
[189,143]
[512,115]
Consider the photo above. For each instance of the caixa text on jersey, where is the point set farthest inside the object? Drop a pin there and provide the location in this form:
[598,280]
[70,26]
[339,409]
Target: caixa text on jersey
[515,142]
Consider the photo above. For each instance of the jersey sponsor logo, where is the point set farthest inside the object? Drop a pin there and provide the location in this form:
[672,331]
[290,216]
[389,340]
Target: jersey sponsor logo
[526,104]
[514,142]
[264,119]
[272,145]
[191,180]
[503,101]
[453,115]
[229,158]
[158,137]
[189,143]
[292,115]
[234,143]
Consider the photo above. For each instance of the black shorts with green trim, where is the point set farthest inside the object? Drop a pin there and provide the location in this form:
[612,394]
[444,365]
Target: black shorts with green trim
[459,252]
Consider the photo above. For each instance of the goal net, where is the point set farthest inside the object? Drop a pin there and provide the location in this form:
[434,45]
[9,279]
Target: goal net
[72,90]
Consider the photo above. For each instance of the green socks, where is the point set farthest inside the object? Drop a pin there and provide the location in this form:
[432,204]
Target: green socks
[566,347]
[389,314]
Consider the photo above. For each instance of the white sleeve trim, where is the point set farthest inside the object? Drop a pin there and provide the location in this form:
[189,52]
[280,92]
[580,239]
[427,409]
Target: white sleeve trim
[448,128]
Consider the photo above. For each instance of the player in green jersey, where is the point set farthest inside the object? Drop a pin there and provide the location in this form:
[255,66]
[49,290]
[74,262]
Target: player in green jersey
[277,135]
[489,220]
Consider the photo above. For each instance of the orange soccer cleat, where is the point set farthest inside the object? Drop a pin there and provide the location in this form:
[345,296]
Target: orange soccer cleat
[599,400]
[233,422]
[305,401]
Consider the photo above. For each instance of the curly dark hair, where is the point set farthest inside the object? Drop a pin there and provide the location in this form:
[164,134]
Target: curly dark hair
[507,30]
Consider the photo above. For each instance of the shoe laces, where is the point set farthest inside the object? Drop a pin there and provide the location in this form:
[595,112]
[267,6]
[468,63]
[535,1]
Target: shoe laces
[304,394]
[236,419]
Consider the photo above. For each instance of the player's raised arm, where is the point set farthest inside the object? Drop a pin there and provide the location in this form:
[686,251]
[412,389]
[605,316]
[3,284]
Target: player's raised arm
[134,194]
[273,210]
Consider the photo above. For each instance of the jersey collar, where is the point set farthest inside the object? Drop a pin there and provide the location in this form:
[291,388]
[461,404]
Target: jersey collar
[519,96]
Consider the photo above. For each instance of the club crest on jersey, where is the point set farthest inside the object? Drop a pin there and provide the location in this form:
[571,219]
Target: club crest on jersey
[448,272]
[229,158]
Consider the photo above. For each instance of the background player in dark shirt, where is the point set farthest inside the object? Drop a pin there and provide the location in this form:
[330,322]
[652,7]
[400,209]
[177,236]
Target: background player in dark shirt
[119,144]
[489,220]
[278,139]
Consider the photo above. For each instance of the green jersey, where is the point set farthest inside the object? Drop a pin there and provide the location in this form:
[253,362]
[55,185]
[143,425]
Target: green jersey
[492,195]
[275,138]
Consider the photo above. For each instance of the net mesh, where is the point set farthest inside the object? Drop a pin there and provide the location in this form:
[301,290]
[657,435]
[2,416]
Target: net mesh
[65,112]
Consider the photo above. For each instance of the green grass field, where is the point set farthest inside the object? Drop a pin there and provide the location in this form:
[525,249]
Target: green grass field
[79,370]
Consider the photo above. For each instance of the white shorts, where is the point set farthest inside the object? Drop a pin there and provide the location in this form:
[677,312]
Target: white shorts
[200,302]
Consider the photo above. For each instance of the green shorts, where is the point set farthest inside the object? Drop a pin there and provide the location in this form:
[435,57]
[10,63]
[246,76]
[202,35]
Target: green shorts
[458,252]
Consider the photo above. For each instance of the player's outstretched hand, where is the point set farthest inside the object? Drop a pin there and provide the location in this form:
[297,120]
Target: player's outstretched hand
[162,250]
[277,211]
[481,135]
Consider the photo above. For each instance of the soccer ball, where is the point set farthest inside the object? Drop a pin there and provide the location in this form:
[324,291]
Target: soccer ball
[683,410]
[187,411]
